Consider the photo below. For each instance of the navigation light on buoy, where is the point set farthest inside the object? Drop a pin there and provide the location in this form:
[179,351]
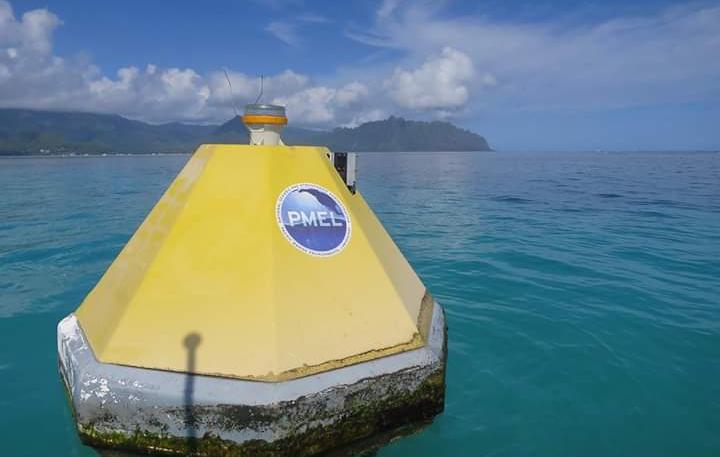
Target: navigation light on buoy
[265,122]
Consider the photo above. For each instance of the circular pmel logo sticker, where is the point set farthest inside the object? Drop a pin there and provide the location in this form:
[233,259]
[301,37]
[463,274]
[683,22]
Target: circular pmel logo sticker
[313,219]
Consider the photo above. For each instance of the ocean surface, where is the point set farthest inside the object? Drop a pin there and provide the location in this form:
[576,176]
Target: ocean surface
[582,292]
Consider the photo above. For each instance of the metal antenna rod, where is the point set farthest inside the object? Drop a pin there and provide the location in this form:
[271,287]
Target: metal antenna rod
[232,96]
[257,100]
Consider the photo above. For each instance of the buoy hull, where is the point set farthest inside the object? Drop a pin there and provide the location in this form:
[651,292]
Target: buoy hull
[144,410]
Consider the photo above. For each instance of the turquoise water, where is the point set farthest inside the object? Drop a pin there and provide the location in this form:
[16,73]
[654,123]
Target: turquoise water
[582,292]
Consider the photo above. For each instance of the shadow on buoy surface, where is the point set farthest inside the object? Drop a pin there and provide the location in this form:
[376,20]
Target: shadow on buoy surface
[191,343]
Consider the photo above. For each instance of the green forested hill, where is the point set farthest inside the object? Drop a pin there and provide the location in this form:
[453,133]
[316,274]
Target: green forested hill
[398,134]
[26,131]
[46,132]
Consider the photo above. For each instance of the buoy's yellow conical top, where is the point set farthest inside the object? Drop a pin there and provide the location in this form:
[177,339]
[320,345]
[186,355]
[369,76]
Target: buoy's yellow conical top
[268,300]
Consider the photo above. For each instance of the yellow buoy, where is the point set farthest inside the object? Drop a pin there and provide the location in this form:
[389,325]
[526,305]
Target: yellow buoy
[261,293]
[212,259]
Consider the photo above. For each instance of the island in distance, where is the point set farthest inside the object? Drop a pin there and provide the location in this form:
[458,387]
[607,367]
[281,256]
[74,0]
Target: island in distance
[48,132]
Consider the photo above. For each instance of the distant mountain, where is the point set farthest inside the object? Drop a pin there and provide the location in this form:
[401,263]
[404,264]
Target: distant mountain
[32,132]
[398,134]
[26,131]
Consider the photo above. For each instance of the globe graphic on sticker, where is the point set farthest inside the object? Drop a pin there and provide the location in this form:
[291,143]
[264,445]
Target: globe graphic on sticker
[313,219]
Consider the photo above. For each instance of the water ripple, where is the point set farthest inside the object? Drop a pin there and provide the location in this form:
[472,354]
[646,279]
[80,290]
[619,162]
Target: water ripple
[582,291]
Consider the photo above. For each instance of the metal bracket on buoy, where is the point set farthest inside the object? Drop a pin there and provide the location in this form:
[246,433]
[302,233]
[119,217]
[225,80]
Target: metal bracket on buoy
[346,165]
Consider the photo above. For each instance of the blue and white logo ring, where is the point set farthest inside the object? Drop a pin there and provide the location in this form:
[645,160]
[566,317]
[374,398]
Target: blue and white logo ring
[313,219]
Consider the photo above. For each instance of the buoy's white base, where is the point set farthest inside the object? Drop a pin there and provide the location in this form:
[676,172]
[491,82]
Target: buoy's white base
[265,134]
[181,413]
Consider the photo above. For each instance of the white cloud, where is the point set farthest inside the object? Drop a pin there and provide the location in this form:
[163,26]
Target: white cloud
[287,30]
[312,105]
[386,9]
[32,77]
[29,74]
[284,31]
[439,83]
[32,33]
[246,88]
[351,93]
[151,94]
[447,66]
[323,105]
[663,57]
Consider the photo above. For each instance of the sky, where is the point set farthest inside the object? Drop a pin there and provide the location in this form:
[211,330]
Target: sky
[528,75]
